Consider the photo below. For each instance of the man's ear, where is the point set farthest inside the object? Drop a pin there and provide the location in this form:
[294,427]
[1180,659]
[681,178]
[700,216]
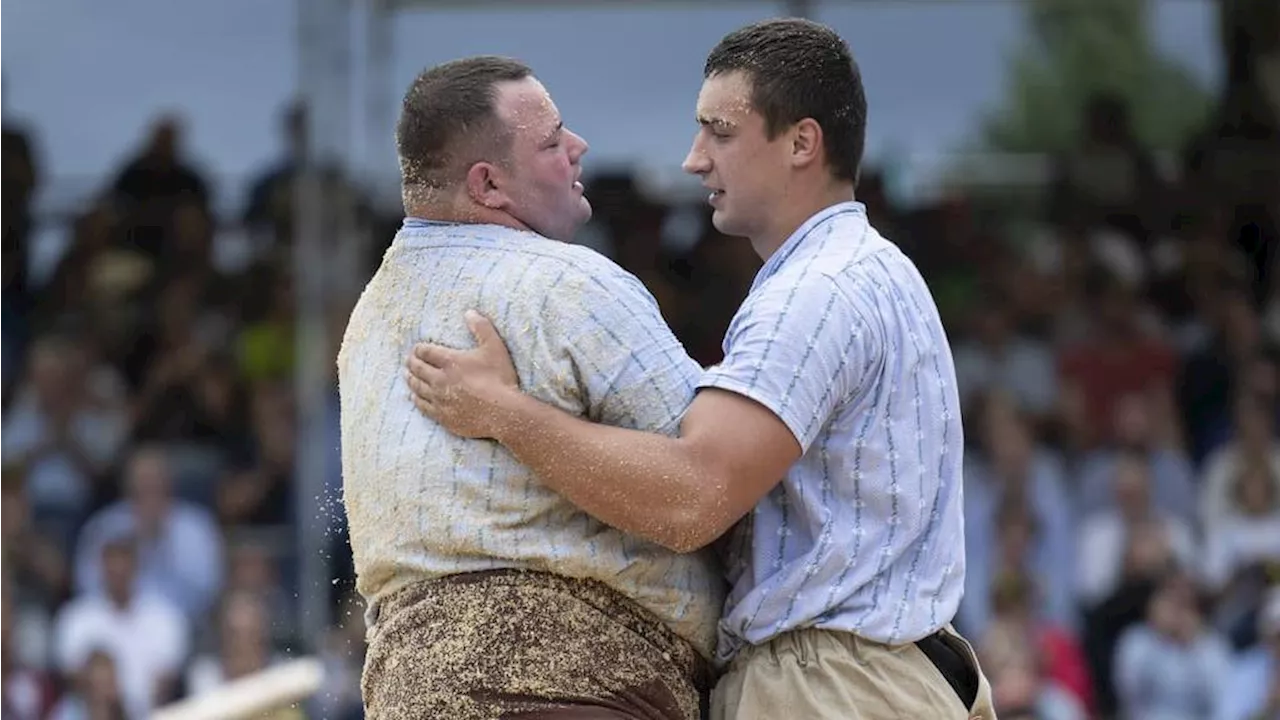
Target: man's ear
[485,183]
[806,142]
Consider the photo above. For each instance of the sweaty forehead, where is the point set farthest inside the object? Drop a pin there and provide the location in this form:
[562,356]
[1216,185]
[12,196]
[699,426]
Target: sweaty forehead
[725,98]
[526,106]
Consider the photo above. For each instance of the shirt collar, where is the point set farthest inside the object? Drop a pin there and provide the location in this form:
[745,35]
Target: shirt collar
[417,223]
[797,238]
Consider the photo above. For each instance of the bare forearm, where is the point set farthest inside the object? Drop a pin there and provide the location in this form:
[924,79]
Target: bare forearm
[648,485]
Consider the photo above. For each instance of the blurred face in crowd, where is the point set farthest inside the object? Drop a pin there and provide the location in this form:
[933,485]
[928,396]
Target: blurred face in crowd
[1253,424]
[192,231]
[119,569]
[1240,326]
[95,227]
[1133,421]
[216,388]
[149,489]
[993,325]
[251,569]
[14,510]
[540,184]
[1269,623]
[98,679]
[1261,377]
[1132,487]
[1256,489]
[1008,437]
[165,138]
[746,172]
[6,620]
[1015,689]
[274,426]
[1173,610]
[1116,309]
[54,365]
[1016,534]
[244,638]
[1147,552]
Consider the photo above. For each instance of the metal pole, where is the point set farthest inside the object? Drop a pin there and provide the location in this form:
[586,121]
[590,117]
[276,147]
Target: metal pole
[4,94]
[378,59]
[323,71]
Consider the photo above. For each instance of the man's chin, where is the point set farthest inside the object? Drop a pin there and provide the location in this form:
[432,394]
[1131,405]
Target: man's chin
[724,224]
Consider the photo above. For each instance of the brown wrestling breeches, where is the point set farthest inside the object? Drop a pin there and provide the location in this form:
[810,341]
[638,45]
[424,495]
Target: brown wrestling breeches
[527,645]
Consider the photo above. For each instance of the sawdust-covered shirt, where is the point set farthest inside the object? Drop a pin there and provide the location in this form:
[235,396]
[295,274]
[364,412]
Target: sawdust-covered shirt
[586,337]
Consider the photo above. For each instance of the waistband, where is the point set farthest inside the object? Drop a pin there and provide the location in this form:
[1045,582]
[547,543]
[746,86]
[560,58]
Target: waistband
[610,603]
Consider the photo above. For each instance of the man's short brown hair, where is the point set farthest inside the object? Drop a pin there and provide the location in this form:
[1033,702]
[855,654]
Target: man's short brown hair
[445,111]
[801,69]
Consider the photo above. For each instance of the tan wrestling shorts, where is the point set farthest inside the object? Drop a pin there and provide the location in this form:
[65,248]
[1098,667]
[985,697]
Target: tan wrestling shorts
[527,645]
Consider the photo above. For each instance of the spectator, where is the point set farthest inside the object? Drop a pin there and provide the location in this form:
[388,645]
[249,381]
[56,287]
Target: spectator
[253,570]
[114,622]
[1013,486]
[259,491]
[25,693]
[96,693]
[1143,428]
[1110,179]
[1251,690]
[1254,443]
[1058,655]
[1122,560]
[997,358]
[269,215]
[65,432]
[1169,667]
[265,345]
[36,576]
[1130,536]
[20,177]
[1018,690]
[1119,358]
[1249,534]
[1211,377]
[243,647]
[152,184]
[178,544]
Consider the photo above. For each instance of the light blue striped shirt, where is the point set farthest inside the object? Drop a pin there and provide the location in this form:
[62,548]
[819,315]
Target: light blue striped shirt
[585,336]
[841,339]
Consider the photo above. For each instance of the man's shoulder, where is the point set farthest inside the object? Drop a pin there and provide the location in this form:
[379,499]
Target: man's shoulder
[520,251]
[812,287]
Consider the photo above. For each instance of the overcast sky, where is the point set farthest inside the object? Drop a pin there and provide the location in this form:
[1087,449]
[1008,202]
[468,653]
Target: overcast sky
[89,74]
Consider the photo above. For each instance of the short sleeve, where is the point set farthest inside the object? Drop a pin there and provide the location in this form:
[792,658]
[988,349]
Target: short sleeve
[633,370]
[798,346]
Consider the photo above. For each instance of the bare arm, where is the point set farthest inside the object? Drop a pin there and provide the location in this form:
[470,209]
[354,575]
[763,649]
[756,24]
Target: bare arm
[680,492]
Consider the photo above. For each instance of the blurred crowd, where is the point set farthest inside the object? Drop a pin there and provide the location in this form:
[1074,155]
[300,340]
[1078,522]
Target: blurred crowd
[1116,351]
[151,549]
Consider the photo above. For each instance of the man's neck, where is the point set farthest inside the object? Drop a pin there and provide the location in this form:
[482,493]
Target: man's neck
[455,211]
[809,203]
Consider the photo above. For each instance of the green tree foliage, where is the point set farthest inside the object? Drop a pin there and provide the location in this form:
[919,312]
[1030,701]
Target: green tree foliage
[1076,48]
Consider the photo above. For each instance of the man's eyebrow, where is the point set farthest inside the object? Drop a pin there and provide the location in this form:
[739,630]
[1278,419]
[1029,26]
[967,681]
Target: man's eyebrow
[715,122]
[559,126]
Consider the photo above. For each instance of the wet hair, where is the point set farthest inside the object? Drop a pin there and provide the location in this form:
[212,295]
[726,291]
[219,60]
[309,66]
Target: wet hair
[801,69]
[448,117]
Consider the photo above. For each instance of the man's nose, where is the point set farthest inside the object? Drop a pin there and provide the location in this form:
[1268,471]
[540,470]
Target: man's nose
[696,162]
[578,145]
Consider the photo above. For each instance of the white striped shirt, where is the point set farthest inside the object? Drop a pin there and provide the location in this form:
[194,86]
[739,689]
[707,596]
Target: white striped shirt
[586,337]
[841,339]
